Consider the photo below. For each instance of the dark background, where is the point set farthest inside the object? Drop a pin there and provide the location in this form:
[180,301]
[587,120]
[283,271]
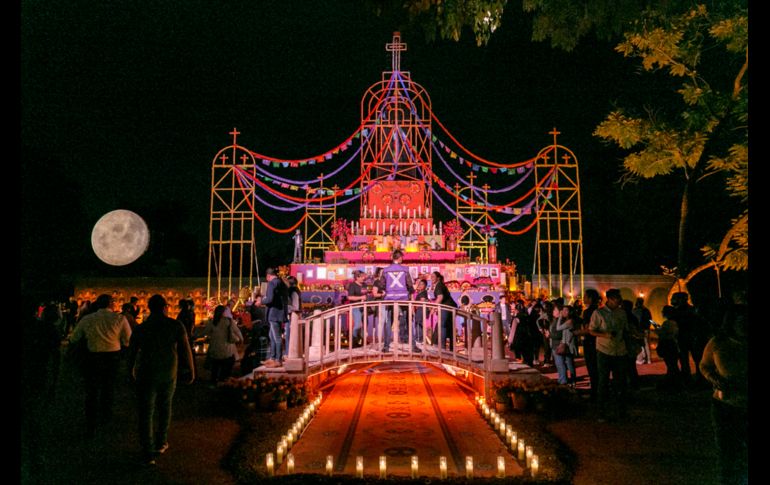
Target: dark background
[124,105]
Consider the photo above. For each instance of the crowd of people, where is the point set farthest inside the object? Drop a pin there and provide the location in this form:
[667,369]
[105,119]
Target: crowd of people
[612,335]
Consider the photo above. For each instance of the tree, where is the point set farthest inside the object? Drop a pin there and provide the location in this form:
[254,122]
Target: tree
[704,54]
[707,133]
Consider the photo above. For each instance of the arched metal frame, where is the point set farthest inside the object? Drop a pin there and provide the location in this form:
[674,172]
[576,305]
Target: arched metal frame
[232,257]
[558,262]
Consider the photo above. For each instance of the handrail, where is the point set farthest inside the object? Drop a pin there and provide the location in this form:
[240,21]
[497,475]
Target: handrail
[334,337]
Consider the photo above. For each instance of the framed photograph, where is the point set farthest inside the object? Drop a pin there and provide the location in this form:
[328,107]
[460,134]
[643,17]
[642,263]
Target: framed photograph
[494,272]
[423,270]
[471,271]
[309,273]
[321,270]
[369,270]
[414,272]
[484,271]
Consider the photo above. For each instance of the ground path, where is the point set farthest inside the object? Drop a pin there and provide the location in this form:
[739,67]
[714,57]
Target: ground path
[400,410]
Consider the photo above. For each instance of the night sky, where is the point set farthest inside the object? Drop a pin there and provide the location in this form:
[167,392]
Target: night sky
[124,105]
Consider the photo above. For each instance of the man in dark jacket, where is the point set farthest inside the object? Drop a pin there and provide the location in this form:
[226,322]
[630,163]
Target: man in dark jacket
[154,353]
[276,301]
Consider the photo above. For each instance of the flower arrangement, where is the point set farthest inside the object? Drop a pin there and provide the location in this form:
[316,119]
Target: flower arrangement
[264,392]
[453,229]
[543,394]
[341,229]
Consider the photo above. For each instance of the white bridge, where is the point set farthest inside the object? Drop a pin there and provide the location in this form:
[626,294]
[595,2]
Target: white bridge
[327,340]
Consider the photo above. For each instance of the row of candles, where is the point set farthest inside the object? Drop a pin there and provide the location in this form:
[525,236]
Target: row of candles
[405,228]
[402,213]
[291,437]
[525,453]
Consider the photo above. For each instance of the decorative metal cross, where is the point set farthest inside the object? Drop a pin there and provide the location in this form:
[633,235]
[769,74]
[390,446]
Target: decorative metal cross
[396,47]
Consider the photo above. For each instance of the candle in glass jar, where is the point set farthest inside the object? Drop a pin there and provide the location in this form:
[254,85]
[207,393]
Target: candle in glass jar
[521,450]
[383,466]
[360,466]
[270,463]
[415,466]
[534,466]
[442,466]
[329,464]
[529,453]
[290,463]
[500,467]
[468,467]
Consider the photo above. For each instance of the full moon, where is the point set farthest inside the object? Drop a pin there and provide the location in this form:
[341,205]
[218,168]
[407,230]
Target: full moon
[120,237]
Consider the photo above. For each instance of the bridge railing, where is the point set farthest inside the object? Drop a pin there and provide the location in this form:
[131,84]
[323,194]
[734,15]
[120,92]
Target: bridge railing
[419,331]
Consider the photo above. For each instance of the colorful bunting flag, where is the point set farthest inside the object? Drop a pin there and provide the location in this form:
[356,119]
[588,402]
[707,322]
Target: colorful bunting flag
[485,169]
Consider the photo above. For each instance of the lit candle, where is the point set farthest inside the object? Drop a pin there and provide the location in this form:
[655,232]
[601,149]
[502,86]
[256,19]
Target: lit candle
[383,466]
[400,214]
[442,466]
[501,427]
[500,467]
[486,410]
[284,441]
[440,230]
[374,210]
[419,211]
[534,466]
[329,464]
[289,439]
[360,466]
[427,213]
[497,422]
[279,453]
[415,466]
[521,450]
[514,440]
[468,467]
[529,453]
[364,212]
[290,463]
[270,464]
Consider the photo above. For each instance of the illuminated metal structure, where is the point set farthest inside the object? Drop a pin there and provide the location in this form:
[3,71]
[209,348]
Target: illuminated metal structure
[472,239]
[396,148]
[232,261]
[318,224]
[558,264]
[395,194]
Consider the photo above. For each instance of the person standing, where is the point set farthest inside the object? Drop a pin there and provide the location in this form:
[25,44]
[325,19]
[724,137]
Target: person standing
[276,301]
[609,324]
[357,294]
[591,298]
[40,358]
[105,332]
[420,295]
[186,317]
[725,365]
[668,349]
[294,306]
[398,286]
[644,317]
[223,336]
[443,297]
[156,348]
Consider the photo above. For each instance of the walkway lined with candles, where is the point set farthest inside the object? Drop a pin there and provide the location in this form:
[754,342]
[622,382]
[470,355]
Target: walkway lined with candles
[400,419]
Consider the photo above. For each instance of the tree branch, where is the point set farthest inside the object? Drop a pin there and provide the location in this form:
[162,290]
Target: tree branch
[737,83]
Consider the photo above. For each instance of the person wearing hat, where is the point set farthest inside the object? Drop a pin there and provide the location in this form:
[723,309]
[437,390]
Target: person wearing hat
[154,353]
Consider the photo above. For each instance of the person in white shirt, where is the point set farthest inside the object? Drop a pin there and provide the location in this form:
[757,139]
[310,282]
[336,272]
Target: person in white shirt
[106,332]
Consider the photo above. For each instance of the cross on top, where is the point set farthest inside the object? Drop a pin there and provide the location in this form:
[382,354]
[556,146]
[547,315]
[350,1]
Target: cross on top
[235,134]
[396,47]
[554,133]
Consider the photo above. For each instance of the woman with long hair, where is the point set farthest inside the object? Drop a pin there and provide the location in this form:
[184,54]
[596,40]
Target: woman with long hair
[223,336]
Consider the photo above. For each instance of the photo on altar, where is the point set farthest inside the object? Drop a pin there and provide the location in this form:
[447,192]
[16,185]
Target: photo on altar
[484,271]
[423,270]
[494,272]
[369,270]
